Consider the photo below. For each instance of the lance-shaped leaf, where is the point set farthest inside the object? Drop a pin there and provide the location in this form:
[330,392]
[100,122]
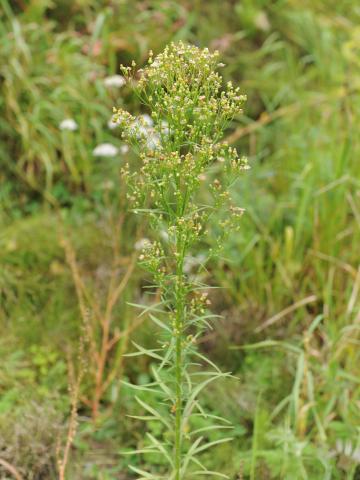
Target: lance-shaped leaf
[213,417]
[191,401]
[149,308]
[144,351]
[209,428]
[209,473]
[159,323]
[167,356]
[207,360]
[189,455]
[144,418]
[151,410]
[160,447]
[139,450]
[143,388]
[145,475]
[212,444]
[161,384]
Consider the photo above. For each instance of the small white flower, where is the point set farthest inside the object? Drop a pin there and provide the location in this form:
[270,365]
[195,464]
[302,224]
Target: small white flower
[124,149]
[138,129]
[105,150]
[108,185]
[164,127]
[113,124]
[356,455]
[68,124]
[153,142]
[114,81]
[164,235]
[147,120]
[142,243]
[346,448]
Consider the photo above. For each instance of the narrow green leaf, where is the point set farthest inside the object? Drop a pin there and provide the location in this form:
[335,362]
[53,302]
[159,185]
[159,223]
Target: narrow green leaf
[140,450]
[211,473]
[151,410]
[145,418]
[209,428]
[265,344]
[149,308]
[144,351]
[197,354]
[161,384]
[212,444]
[160,447]
[141,388]
[159,323]
[214,417]
[145,475]
[189,454]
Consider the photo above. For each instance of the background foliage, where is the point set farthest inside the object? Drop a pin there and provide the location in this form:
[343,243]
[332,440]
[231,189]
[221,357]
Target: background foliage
[290,280]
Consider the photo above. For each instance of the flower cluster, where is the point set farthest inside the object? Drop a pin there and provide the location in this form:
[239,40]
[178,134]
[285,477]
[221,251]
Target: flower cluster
[179,142]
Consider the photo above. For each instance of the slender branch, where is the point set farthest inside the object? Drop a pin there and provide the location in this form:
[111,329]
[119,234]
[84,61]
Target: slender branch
[11,469]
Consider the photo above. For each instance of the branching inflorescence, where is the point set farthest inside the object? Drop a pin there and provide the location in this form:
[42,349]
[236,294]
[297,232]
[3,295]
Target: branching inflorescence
[181,151]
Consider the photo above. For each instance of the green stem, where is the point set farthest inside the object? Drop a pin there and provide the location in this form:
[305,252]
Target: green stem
[179,326]
[178,439]
[179,364]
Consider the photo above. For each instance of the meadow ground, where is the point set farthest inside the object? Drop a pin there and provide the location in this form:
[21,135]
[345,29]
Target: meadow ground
[289,281]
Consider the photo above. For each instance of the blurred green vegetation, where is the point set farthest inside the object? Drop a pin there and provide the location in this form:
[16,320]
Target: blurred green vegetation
[290,280]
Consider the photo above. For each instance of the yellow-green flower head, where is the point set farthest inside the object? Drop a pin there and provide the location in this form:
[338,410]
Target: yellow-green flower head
[183,90]
[181,85]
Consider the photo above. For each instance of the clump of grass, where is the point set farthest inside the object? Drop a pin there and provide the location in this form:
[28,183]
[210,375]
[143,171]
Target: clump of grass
[181,150]
[50,121]
[28,440]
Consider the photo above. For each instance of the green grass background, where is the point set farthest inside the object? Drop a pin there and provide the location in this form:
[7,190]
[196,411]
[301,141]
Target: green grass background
[289,280]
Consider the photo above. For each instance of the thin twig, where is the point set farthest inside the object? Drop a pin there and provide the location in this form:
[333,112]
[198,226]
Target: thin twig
[266,118]
[286,311]
[11,469]
[74,388]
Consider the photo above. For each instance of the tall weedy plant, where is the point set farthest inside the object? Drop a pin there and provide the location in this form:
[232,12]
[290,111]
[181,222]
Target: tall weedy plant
[180,148]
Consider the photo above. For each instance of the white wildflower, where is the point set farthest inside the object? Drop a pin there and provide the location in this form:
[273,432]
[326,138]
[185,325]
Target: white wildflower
[112,123]
[346,448]
[164,127]
[141,244]
[105,150]
[114,81]
[138,129]
[147,120]
[153,142]
[155,63]
[68,124]
[164,235]
[124,149]
[262,22]
[108,185]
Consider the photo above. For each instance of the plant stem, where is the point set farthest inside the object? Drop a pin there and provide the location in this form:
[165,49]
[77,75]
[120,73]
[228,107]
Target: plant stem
[178,442]
[179,325]
[178,368]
